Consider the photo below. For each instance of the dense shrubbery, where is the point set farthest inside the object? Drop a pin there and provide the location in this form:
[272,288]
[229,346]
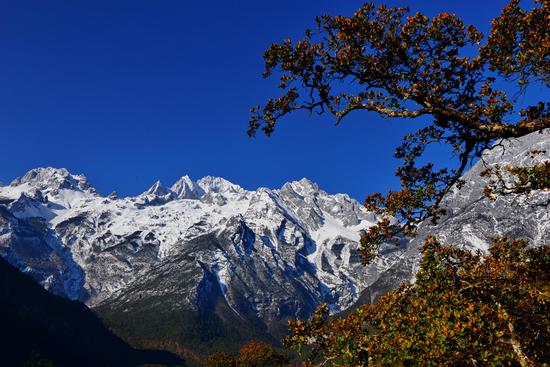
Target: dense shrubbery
[257,354]
[220,359]
[252,354]
[463,310]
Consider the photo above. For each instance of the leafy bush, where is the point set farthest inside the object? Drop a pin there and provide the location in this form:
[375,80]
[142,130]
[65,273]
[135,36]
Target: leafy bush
[257,354]
[464,309]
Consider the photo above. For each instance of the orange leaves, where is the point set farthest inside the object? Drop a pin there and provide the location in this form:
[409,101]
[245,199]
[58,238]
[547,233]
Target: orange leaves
[220,359]
[384,60]
[258,354]
[516,180]
[519,42]
[444,321]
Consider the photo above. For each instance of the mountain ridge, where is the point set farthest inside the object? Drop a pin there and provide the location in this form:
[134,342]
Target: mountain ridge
[471,219]
[252,259]
[296,225]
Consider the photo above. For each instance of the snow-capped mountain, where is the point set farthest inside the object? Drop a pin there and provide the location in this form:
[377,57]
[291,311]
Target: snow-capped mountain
[55,226]
[207,261]
[472,220]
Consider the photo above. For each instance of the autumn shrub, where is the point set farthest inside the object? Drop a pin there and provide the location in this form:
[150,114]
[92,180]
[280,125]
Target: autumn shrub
[220,359]
[257,354]
[464,309]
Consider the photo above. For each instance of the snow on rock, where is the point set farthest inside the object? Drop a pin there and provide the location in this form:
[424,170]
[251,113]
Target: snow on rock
[275,253]
[472,219]
[298,233]
[185,188]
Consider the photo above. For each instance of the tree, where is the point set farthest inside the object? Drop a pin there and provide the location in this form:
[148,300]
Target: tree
[398,65]
[257,354]
[220,359]
[464,308]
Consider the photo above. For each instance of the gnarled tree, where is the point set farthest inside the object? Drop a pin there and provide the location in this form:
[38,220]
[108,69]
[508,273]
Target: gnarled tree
[464,308]
[400,65]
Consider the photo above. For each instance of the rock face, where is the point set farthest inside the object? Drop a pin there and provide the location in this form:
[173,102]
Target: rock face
[472,219]
[269,254]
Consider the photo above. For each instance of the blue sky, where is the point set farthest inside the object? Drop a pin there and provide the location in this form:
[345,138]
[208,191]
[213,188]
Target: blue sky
[128,92]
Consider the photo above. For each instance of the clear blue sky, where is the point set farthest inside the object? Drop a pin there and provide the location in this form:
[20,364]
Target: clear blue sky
[128,92]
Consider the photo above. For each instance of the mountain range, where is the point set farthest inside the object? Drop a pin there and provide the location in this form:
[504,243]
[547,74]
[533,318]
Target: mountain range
[206,264]
[201,248]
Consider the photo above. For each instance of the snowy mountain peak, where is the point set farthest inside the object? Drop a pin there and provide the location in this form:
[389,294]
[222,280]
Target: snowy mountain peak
[304,187]
[52,180]
[270,254]
[212,184]
[116,240]
[158,190]
[185,188]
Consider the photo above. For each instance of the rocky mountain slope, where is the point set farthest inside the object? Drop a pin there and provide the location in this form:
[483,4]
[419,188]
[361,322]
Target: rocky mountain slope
[472,219]
[267,254]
